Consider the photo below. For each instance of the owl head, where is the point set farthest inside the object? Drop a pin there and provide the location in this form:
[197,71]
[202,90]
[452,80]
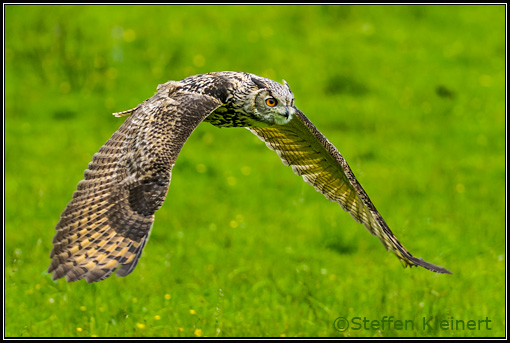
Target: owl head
[270,102]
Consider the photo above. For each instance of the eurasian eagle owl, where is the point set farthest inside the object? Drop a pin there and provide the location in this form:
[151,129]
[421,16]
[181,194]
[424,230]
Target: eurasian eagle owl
[108,221]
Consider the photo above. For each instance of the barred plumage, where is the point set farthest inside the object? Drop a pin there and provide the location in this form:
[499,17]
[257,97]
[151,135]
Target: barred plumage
[108,221]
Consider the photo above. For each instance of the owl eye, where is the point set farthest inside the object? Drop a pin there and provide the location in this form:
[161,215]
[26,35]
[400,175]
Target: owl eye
[271,102]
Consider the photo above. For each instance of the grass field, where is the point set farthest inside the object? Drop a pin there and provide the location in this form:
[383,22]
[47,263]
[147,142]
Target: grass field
[412,96]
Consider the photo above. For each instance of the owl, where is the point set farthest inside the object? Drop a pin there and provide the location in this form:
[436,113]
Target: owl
[106,225]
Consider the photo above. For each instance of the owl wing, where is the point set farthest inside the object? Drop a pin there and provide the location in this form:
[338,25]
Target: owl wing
[108,221]
[301,146]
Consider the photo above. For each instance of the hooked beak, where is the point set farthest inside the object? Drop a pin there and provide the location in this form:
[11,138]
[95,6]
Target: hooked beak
[289,111]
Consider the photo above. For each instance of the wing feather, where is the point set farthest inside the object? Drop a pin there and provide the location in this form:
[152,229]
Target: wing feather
[300,145]
[108,221]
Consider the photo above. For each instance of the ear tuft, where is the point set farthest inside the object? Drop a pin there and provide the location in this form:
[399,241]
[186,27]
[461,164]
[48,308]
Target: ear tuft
[287,85]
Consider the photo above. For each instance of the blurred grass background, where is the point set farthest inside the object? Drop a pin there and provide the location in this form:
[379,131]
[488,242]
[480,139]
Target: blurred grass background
[413,96]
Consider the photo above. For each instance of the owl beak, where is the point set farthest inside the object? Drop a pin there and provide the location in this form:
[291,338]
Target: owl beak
[289,111]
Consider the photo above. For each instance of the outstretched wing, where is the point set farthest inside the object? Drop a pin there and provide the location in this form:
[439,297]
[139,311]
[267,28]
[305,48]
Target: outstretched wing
[301,146]
[107,223]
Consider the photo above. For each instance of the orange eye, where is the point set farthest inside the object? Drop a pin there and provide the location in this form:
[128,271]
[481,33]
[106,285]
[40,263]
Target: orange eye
[271,102]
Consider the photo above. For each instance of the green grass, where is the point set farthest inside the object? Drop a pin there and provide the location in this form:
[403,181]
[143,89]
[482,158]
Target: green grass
[412,96]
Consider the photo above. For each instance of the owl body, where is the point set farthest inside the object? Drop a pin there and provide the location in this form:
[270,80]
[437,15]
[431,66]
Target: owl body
[106,225]
[226,116]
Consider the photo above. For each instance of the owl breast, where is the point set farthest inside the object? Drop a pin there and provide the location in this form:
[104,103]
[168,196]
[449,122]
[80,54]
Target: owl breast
[230,117]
